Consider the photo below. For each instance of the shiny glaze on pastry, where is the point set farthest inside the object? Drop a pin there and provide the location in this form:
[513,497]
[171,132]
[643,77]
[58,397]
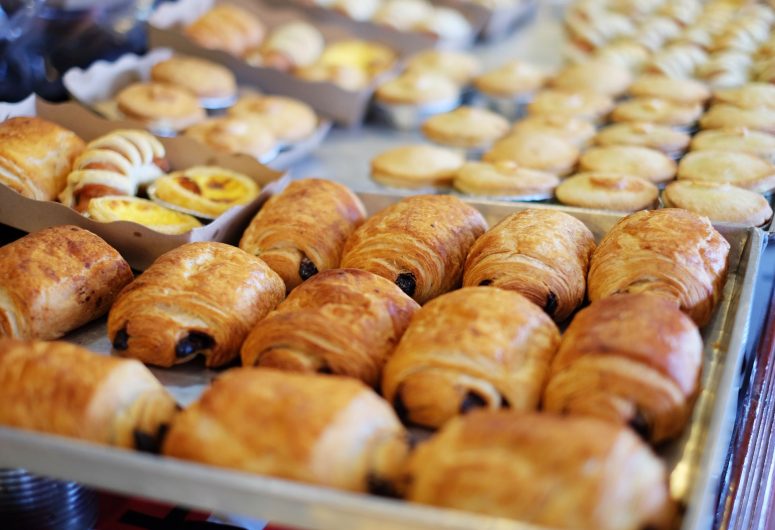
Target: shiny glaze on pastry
[302,231]
[56,280]
[471,348]
[208,190]
[341,321]
[671,252]
[227,27]
[542,254]
[111,208]
[633,359]
[420,243]
[200,298]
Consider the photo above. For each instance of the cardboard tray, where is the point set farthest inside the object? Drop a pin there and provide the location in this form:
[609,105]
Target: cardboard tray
[139,245]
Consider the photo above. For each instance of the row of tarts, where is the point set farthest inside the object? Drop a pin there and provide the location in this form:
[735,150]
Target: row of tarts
[454,324]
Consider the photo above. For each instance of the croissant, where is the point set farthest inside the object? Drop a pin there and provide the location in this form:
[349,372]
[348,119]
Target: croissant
[114,164]
[324,430]
[630,358]
[56,280]
[60,388]
[475,347]
[200,298]
[343,321]
[545,470]
[302,231]
[671,252]
[420,243]
[542,254]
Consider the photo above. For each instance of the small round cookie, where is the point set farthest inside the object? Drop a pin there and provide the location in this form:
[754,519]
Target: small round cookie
[685,91]
[290,120]
[584,105]
[720,202]
[575,130]
[607,191]
[660,137]
[510,80]
[205,79]
[466,127]
[659,111]
[233,134]
[748,96]
[739,169]
[724,115]
[634,160]
[737,139]
[160,106]
[416,166]
[541,151]
[505,179]
[600,77]
[413,88]
[460,67]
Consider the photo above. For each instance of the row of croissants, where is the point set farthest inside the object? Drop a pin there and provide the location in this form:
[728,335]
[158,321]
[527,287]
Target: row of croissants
[477,362]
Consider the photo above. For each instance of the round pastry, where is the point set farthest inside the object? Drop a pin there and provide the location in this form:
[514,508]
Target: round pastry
[636,161]
[111,208]
[720,202]
[291,45]
[160,106]
[416,166]
[737,139]
[413,88]
[659,111]
[513,79]
[585,105]
[686,91]
[541,151]
[344,76]
[205,79]
[227,27]
[660,137]
[723,115]
[447,24]
[739,169]
[575,130]
[748,96]
[504,178]
[402,15]
[290,120]
[467,127]
[597,76]
[607,191]
[235,134]
[372,58]
[460,67]
[627,54]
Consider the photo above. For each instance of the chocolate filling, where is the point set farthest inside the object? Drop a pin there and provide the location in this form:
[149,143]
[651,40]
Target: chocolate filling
[121,340]
[307,269]
[377,485]
[551,304]
[194,342]
[149,443]
[485,283]
[471,401]
[407,283]
[640,425]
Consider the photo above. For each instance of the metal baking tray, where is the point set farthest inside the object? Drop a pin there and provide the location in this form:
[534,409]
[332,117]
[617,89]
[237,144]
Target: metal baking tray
[695,460]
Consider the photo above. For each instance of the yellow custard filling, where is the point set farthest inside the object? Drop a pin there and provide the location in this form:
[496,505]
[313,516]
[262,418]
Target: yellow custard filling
[206,190]
[141,211]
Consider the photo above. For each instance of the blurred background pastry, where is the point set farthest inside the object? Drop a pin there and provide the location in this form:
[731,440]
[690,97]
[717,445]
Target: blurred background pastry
[719,201]
[228,28]
[109,208]
[292,45]
[504,179]
[459,66]
[416,166]
[290,120]
[637,161]
[541,151]
[607,191]
[160,106]
[236,134]
[739,169]
[205,79]
[466,127]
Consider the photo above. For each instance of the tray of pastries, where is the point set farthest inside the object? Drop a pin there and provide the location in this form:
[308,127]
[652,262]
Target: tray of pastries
[419,362]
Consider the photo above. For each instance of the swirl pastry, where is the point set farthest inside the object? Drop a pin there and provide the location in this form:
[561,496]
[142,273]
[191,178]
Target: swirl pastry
[160,106]
[343,321]
[142,211]
[200,298]
[542,254]
[63,389]
[633,359]
[325,430]
[471,348]
[228,28]
[545,470]
[302,231]
[56,280]
[114,164]
[670,252]
[419,243]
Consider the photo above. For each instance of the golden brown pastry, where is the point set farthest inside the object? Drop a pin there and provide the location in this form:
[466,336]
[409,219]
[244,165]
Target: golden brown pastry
[466,127]
[632,359]
[607,191]
[554,472]
[416,166]
[471,348]
[302,231]
[235,134]
[325,430]
[633,160]
[419,243]
[541,151]
[505,179]
[600,77]
[290,120]
[291,45]
[738,139]
[671,252]
[227,27]
[720,202]
[36,156]
[56,280]
[739,169]
[575,130]
[160,106]
[200,298]
[111,208]
[542,254]
[660,137]
[205,79]
[341,321]
[63,389]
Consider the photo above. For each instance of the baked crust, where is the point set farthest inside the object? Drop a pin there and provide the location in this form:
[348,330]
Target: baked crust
[660,137]
[540,151]
[160,105]
[467,127]
[416,166]
[632,160]
[290,120]
[739,169]
[205,79]
[504,178]
[600,77]
[227,27]
[571,104]
[235,134]
[607,191]
[720,202]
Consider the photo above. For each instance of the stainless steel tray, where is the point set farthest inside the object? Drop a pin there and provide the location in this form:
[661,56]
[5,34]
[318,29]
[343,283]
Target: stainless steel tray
[695,461]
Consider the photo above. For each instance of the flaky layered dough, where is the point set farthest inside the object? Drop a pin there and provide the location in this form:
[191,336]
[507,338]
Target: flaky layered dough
[420,243]
[633,359]
[324,430]
[555,472]
[670,252]
[542,254]
[56,280]
[302,231]
[474,347]
[343,321]
[200,298]
[60,388]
